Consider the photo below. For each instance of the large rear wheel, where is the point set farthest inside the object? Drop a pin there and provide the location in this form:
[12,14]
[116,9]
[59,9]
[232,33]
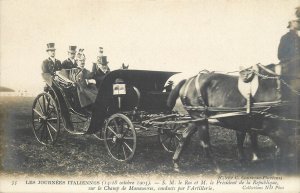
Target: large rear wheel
[120,137]
[45,119]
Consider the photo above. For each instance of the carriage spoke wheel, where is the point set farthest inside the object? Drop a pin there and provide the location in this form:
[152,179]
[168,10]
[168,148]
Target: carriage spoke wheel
[45,119]
[169,136]
[120,137]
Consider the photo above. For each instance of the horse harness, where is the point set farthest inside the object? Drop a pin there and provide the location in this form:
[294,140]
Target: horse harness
[197,87]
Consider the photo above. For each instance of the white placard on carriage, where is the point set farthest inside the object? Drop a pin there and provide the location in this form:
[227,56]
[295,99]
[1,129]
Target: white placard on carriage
[119,89]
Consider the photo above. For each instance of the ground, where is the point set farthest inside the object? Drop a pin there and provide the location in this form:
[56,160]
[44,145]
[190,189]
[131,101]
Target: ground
[85,155]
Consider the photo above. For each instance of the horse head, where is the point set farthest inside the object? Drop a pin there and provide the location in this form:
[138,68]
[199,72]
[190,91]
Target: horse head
[261,81]
[247,74]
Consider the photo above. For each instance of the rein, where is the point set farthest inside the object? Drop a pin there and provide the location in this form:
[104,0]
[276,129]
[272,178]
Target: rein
[276,76]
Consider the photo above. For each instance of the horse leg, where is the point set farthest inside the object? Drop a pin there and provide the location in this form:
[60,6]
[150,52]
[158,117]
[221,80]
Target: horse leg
[254,145]
[281,152]
[205,143]
[186,136]
[240,137]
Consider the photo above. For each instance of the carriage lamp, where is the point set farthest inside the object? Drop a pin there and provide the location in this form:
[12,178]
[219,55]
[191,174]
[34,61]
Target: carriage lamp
[119,89]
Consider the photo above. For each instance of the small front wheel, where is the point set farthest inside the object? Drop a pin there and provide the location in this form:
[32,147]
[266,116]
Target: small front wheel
[120,137]
[169,136]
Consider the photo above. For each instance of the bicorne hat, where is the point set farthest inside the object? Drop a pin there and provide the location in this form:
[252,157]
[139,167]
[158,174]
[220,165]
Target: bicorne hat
[72,49]
[50,46]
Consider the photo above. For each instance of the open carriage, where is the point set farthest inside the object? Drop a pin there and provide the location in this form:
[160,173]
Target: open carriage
[128,101]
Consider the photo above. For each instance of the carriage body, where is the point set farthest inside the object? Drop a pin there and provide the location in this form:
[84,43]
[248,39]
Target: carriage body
[131,98]
[144,90]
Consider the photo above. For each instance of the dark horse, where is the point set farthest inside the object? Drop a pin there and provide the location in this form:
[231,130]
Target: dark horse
[221,91]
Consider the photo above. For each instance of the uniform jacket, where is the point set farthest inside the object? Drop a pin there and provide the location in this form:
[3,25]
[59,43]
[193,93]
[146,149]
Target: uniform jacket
[87,93]
[68,64]
[98,74]
[49,68]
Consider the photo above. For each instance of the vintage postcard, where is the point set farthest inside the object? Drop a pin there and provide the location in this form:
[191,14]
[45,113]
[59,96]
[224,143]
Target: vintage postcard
[149,96]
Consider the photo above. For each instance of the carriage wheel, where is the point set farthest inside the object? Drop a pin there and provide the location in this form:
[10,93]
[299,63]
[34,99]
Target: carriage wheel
[45,119]
[169,137]
[120,137]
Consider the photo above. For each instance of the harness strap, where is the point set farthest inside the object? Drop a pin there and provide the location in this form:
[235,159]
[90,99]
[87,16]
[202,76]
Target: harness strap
[267,70]
[186,90]
[197,85]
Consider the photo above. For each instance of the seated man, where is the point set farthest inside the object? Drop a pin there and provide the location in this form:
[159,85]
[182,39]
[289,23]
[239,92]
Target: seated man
[82,78]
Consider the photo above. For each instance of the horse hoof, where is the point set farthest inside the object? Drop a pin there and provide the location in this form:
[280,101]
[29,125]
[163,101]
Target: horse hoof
[255,158]
[218,171]
[176,168]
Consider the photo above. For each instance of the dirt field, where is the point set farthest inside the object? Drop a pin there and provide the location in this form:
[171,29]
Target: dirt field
[77,155]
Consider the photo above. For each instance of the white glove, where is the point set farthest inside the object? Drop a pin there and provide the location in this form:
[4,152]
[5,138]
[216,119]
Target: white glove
[91,81]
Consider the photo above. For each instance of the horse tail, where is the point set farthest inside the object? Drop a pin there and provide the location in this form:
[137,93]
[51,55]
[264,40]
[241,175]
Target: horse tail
[174,94]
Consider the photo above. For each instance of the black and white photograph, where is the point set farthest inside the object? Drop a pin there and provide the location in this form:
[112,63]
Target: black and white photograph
[150,95]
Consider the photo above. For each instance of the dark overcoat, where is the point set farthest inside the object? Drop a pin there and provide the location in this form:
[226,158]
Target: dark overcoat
[98,74]
[87,93]
[49,68]
[289,53]
[68,64]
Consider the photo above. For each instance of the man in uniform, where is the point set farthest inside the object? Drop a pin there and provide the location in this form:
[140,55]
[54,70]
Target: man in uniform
[70,62]
[289,56]
[50,65]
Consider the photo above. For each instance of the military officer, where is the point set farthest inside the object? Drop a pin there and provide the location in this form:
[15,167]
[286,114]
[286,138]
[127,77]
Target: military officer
[70,62]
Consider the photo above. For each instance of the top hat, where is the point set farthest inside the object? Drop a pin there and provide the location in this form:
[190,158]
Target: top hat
[72,49]
[50,46]
[103,60]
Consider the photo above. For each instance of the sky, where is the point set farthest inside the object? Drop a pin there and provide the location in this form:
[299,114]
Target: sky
[183,36]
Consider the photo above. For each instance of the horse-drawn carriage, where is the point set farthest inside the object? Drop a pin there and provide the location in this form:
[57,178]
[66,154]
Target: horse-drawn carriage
[127,102]
[133,103]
